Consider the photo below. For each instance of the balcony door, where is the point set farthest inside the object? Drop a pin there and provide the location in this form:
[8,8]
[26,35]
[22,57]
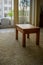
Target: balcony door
[24,11]
[7,13]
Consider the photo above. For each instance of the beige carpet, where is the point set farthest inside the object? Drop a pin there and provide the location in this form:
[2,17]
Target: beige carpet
[12,52]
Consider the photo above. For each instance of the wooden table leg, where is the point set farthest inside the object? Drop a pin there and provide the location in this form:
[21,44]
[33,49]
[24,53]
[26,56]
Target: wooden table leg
[24,40]
[27,35]
[16,34]
[37,37]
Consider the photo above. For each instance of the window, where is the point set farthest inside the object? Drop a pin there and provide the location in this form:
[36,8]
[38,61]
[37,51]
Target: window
[10,8]
[5,1]
[5,8]
[10,1]
[24,11]
[5,14]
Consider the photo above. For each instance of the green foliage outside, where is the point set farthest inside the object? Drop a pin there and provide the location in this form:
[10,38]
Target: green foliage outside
[21,13]
[25,4]
[11,13]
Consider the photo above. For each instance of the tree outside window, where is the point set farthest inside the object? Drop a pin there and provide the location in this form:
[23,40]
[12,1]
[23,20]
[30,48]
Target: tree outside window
[24,5]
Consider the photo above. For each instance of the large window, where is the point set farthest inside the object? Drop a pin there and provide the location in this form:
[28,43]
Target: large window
[7,10]
[24,11]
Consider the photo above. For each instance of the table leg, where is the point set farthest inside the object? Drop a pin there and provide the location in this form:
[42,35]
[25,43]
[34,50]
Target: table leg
[37,37]
[16,34]
[27,35]
[24,40]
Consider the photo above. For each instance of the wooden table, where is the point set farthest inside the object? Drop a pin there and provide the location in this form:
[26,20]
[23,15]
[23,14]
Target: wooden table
[27,29]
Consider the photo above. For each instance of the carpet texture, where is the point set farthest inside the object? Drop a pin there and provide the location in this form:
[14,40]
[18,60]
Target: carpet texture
[12,52]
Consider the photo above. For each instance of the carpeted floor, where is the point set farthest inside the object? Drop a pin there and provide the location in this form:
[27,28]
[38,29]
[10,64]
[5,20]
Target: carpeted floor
[12,52]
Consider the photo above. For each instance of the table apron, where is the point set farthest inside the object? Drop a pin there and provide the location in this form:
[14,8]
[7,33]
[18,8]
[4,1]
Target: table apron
[31,31]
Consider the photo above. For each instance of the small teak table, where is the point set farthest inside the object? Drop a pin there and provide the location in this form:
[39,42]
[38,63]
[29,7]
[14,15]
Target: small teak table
[27,29]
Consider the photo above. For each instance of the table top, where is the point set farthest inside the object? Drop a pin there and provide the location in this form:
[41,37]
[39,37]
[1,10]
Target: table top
[26,26]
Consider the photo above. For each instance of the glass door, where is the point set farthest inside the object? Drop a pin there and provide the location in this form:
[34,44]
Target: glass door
[24,11]
[7,13]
